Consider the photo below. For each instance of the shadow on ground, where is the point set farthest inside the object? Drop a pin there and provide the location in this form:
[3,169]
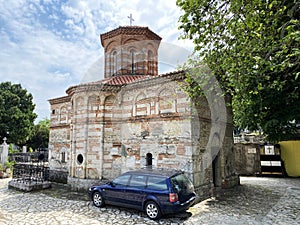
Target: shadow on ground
[63,191]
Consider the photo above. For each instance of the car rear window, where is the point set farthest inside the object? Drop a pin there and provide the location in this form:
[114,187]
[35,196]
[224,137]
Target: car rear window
[157,183]
[182,183]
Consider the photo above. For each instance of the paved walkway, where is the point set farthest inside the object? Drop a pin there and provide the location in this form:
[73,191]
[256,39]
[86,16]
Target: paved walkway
[257,201]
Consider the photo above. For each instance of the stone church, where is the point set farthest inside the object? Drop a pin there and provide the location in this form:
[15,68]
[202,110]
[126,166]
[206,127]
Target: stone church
[134,118]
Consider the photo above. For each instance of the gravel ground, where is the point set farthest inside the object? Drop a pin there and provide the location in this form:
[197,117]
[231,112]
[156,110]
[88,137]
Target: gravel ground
[258,200]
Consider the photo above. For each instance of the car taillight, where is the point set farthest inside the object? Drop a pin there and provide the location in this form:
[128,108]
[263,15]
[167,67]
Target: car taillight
[173,197]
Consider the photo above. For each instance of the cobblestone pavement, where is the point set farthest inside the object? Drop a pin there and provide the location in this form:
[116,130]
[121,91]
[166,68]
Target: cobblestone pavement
[257,200]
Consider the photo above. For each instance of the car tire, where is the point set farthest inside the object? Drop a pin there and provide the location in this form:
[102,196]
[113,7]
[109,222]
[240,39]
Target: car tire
[98,200]
[152,210]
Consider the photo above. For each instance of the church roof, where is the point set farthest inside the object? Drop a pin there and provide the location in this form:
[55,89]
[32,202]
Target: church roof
[119,80]
[124,79]
[129,79]
[59,100]
[116,82]
[130,30]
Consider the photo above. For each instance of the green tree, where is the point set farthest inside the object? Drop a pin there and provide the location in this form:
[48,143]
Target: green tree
[40,135]
[252,48]
[16,113]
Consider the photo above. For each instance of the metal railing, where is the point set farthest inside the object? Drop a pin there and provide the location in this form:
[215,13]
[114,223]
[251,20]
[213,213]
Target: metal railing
[30,167]
[30,173]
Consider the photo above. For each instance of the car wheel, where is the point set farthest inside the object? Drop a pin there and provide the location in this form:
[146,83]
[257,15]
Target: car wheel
[97,199]
[152,210]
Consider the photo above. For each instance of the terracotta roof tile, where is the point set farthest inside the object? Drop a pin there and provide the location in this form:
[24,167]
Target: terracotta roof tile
[128,79]
[130,30]
[122,79]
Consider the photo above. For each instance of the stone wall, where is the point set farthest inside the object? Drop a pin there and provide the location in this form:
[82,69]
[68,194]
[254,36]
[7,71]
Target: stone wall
[247,158]
[111,132]
[60,133]
[147,119]
[58,176]
[78,184]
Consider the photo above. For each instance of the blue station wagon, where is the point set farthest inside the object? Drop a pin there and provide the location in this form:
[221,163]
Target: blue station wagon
[155,191]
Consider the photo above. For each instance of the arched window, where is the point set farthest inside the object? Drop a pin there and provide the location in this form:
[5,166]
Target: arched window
[63,115]
[148,159]
[63,157]
[142,105]
[114,63]
[109,107]
[133,55]
[167,101]
[150,63]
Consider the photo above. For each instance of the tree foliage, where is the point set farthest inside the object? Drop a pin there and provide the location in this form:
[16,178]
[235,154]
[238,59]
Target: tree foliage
[252,48]
[40,135]
[16,113]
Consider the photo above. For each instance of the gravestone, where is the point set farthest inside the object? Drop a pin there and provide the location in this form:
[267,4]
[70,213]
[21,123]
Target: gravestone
[4,152]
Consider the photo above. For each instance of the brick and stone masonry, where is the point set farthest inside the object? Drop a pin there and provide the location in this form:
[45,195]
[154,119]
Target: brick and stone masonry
[135,117]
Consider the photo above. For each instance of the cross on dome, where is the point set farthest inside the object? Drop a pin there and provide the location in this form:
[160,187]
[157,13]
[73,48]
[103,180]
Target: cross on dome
[130,19]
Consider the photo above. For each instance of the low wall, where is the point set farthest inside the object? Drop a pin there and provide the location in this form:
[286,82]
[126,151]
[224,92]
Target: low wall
[79,184]
[203,192]
[27,186]
[230,182]
[247,158]
[58,176]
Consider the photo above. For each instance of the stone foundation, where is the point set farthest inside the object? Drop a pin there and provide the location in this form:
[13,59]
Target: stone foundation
[28,186]
[203,192]
[58,176]
[78,184]
[230,182]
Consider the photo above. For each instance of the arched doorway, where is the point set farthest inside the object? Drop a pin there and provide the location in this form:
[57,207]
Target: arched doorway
[216,170]
[149,159]
[216,161]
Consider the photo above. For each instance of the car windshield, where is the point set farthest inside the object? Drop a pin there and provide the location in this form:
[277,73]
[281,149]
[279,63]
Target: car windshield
[182,184]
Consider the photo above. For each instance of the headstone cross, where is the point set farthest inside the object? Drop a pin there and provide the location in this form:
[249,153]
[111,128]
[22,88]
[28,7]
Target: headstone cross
[269,150]
[130,19]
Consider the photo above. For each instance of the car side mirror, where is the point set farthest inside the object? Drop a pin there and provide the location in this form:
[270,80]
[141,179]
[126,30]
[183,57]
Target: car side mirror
[111,183]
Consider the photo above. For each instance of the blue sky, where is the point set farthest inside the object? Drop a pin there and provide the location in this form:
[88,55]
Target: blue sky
[49,45]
